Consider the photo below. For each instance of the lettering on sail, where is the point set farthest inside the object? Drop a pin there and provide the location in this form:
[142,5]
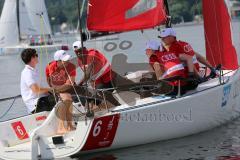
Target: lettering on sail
[141,7]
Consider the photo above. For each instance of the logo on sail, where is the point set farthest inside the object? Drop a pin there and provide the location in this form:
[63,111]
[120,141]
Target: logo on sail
[141,7]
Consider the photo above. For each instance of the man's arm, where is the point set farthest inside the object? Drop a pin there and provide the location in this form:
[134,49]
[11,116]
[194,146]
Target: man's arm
[202,60]
[39,90]
[188,60]
[158,70]
[87,74]
[49,81]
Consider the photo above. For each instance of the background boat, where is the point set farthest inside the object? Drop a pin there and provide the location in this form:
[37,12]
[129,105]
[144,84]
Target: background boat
[23,24]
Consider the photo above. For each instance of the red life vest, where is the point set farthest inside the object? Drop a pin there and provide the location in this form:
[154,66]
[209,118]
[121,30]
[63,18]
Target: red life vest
[180,47]
[170,64]
[101,69]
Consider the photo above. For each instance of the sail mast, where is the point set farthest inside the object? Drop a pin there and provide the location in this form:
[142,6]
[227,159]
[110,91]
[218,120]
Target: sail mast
[168,22]
[89,112]
[18,20]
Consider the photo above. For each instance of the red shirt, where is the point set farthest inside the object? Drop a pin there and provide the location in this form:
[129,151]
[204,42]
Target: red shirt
[100,73]
[180,47]
[170,64]
[59,76]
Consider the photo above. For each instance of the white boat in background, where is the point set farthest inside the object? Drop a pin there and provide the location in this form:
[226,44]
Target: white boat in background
[147,118]
[23,24]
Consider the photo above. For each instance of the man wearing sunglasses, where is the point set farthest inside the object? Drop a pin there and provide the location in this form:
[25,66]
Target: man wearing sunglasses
[35,97]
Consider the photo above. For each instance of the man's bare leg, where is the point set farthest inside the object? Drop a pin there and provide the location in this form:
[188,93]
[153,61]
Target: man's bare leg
[69,117]
[62,118]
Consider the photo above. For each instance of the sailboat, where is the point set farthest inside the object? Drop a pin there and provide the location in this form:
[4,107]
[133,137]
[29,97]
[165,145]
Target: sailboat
[149,119]
[23,24]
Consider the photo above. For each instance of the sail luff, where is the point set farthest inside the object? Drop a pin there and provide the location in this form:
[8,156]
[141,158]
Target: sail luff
[8,24]
[25,25]
[218,35]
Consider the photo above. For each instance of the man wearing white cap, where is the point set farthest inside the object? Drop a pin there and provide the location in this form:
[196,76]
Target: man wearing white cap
[184,52]
[166,65]
[61,72]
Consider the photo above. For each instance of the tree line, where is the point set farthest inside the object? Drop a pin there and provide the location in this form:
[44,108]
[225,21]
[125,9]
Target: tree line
[65,11]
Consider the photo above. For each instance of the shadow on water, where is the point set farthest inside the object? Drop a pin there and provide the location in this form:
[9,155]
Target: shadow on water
[222,143]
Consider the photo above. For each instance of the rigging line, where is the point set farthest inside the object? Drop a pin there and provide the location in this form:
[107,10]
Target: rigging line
[205,34]
[69,77]
[3,115]
[43,34]
[51,37]
[81,36]
[9,98]
[42,31]
[41,60]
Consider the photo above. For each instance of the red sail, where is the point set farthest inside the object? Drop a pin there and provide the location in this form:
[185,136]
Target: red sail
[125,15]
[219,45]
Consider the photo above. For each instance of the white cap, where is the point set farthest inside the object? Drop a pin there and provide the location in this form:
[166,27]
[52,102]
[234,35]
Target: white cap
[154,45]
[76,45]
[61,55]
[167,32]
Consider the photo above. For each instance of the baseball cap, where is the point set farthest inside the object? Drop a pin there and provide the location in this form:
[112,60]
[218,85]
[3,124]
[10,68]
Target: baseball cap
[76,45]
[61,55]
[154,45]
[167,32]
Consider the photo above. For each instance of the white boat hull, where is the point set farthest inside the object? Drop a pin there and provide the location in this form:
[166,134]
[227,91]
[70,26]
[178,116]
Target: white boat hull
[148,120]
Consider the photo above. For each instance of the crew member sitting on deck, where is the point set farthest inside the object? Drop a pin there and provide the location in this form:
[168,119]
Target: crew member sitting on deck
[166,64]
[184,50]
[61,72]
[36,98]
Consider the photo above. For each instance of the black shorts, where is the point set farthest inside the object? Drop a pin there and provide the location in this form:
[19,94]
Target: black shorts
[45,104]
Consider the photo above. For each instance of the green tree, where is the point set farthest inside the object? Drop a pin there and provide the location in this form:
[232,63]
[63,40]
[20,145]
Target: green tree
[180,11]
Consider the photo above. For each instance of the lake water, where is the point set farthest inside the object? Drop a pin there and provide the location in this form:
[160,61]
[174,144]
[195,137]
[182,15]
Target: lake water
[217,144]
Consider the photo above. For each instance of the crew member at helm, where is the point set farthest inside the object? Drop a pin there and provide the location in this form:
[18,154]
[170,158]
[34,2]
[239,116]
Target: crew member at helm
[185,52]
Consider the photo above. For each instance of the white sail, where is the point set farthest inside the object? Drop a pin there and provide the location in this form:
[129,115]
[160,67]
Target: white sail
[25,25]
[8,24]
[36,8]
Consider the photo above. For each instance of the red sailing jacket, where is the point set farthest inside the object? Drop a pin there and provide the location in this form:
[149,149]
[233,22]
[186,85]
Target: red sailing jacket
[101,69]
[170,64]
[180,47]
